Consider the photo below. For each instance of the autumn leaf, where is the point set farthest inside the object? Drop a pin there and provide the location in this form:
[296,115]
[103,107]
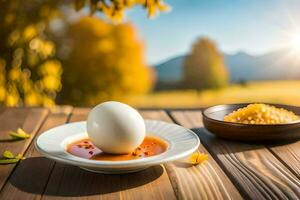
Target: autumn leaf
[198,158]
[19,134]
[9,161]
[8,154]
[8,158]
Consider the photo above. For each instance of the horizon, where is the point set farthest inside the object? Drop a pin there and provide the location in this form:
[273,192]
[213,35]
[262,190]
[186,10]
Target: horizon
[254,27]
[223,53]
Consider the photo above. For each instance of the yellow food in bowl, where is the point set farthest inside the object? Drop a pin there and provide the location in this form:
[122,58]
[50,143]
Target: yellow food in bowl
[261,114]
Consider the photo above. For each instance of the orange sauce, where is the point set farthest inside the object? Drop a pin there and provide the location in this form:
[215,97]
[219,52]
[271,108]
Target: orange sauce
[84,148]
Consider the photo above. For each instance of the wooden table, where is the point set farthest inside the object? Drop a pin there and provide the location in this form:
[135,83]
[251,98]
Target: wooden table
[233,171]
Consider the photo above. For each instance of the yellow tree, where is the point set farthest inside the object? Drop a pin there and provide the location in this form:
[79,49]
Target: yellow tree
[106,62]
[114,9]
[30,71]
[204,66]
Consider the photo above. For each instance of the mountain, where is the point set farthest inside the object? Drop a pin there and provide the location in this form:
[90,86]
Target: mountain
[171,70]
[242,66]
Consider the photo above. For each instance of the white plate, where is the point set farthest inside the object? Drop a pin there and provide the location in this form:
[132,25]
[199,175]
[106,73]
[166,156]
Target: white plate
[181,143]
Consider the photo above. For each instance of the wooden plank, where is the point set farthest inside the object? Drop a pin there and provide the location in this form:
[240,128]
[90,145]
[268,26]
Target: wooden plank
[71,182]
[30,177]
[30,120]
[205,181]
[289,153]
[258,174]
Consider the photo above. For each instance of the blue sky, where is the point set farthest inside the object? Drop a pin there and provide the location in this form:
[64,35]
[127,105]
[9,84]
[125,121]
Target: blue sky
[254,26]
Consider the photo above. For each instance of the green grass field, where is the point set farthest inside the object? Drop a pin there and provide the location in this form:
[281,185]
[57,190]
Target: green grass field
[285,92]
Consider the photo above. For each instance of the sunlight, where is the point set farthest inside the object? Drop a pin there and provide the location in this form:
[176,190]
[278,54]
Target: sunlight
[291,43]
[295,42]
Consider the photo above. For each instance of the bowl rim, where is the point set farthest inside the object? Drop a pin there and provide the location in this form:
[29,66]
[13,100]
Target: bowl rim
[207,117]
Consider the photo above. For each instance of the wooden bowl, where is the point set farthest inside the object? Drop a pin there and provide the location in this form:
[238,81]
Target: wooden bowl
[213,120]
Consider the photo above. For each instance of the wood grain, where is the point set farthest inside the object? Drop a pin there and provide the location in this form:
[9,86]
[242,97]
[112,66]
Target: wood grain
[71,182]
[205,181]
[30,120]
[30,177]
[289,153]
[256,172]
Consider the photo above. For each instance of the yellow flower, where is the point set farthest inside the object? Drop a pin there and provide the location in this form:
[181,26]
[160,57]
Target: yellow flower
[198,158]
[29,32]
[14,74]
[51,83]
[32,99]
[26,86]
[42,47]
[11,100]
[35,44]
[51,67]
[47,49]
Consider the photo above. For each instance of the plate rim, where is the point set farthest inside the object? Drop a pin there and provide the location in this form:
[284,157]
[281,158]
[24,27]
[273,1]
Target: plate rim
[153,160]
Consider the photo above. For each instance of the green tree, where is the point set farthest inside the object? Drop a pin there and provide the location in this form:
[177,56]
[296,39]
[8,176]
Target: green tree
[106,62]
[204,66]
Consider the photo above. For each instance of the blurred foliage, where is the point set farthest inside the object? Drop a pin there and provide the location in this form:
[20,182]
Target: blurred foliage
[105,62]
[204,67]
[114,9]
[30,71]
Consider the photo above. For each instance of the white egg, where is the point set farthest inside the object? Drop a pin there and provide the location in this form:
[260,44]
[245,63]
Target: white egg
[115,127]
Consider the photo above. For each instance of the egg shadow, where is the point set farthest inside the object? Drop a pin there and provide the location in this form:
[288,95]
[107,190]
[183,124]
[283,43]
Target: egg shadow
[40,175]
